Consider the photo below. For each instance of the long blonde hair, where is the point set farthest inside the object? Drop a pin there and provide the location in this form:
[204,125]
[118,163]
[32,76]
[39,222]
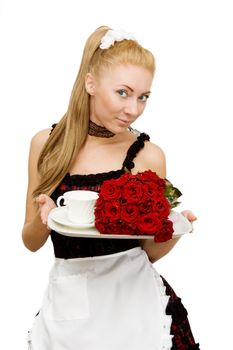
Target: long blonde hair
[69,135]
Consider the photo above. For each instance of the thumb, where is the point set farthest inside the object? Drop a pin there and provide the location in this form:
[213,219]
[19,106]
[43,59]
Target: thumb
[41,199]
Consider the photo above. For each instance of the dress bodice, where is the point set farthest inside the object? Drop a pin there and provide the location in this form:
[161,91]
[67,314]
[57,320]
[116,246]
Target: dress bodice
[74,247]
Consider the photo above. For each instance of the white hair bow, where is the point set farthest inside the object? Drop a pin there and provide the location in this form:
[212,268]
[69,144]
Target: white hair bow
[114,35]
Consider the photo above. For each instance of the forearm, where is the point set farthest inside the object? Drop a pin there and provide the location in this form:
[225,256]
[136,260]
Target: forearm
[156,251]
[35,234]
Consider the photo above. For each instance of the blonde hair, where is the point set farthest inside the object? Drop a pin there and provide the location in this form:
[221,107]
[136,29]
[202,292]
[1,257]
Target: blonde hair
[69,135]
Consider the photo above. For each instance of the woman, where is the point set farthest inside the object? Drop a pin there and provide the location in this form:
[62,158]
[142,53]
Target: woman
[102,293]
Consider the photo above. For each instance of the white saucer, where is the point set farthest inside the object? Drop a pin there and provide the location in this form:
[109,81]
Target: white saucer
[60,215]
[181,226]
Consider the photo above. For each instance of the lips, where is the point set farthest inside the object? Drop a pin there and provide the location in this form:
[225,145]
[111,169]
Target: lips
[124,121]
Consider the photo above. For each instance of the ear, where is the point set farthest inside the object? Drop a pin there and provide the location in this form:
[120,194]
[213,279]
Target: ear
[90,84]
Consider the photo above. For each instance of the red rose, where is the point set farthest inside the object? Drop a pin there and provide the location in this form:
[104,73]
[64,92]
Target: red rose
[147,175]
[114,228]
[128,229]
[101,226]
[129,213]
[122,180]
[119,228]
[162,207]
[110,190]
[99,213]
[152,191]
[152,176]
[132,192]
[99,203]
[148,224]
[154,185]
[146,207]
[112,210]
[165,232]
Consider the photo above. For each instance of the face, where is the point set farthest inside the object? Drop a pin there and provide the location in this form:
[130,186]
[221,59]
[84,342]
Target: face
[119,96]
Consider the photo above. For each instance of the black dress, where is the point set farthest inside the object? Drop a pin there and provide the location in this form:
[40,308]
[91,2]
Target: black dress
[74,247]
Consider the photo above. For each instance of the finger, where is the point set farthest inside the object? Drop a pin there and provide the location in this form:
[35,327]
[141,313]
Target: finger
[51,205]
[44,216]
[45,213]
[189,215]
[44,219]
[192,217]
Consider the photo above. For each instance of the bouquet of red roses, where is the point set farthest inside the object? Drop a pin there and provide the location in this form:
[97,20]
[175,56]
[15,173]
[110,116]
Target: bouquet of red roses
[136,205]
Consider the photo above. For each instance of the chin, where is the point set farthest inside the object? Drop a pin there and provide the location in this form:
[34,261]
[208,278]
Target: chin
[120,130]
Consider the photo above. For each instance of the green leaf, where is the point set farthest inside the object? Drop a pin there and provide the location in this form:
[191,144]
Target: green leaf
[172,194]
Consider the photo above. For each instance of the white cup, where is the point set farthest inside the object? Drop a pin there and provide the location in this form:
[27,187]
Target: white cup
[80,205]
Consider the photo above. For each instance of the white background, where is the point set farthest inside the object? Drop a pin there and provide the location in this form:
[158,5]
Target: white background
[188,115]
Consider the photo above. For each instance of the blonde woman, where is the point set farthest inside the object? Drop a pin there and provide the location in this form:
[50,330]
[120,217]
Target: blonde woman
[102,293]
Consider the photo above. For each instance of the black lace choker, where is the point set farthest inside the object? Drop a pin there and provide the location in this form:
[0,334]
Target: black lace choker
[99,131]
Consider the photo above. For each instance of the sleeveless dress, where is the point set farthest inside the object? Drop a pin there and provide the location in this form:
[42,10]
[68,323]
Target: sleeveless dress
[104,294]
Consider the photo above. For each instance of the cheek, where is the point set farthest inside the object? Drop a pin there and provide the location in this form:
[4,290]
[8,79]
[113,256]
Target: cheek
[141,108]
[110,103]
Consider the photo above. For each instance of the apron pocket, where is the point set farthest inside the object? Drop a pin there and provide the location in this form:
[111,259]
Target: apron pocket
[68,298]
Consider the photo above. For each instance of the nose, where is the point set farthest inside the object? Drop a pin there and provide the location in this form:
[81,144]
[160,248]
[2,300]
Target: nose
[132,108]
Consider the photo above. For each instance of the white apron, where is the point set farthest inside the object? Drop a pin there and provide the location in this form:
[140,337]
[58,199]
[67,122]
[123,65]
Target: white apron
[110,302]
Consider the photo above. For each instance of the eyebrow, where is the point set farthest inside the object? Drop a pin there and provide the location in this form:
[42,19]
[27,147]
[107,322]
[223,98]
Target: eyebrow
[144,93]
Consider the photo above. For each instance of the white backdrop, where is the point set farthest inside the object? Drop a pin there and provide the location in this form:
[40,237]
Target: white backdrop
[188,115]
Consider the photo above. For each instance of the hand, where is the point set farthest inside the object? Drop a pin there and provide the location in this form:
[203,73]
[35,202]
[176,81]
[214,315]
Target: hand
[46,204]
[190,216]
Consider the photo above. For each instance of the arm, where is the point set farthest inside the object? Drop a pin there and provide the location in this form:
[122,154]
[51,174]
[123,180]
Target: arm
[35,232]
[156,251]
[146,160]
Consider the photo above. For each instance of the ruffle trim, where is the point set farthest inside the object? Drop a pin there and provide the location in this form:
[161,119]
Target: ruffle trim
[92,179]
[133,151]
[167,319]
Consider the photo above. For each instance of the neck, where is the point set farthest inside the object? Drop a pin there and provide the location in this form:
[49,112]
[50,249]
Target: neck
[99,131]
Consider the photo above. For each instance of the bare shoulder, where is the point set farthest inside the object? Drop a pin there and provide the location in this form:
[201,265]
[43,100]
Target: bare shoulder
[152,152]
[37,143]
[39,139]
[151,157]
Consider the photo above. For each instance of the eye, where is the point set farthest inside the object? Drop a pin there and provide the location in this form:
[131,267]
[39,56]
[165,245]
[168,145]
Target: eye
[122,92]
[143,98]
